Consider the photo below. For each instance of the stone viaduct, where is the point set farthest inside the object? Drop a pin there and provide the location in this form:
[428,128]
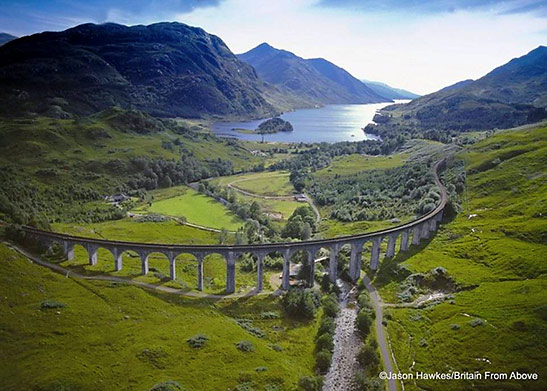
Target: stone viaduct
[410,234]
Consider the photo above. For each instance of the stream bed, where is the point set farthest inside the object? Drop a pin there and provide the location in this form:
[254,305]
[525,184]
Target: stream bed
[347,342]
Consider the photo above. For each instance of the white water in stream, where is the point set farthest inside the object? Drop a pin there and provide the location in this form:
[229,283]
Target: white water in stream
[347,343]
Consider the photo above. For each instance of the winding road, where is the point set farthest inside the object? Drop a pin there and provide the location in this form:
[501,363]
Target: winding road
[383,343]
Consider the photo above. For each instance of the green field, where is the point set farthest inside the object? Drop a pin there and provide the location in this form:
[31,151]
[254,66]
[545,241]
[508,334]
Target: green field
[197,209]
[267,183]
[352,164]
[111,336]
[495,252]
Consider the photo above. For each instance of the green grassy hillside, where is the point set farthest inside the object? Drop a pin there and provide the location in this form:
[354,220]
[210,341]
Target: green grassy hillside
[110,336]
[50,168]
[495,253]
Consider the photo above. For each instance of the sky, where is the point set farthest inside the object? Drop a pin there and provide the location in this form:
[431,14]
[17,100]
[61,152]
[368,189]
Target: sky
[418,45]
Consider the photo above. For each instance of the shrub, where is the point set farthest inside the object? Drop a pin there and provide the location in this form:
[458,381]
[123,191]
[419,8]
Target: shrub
[169,385]
[269,315]
[301,303]
[363,323]
[476,322]
[245,346]
[368,357]
[324,342]
[364,300]
[51,304]
[276,347]
[247,386]
[310,383]
[366,384]
[330,305]
[322,361]
[197,341]
[327,326]
[248,326]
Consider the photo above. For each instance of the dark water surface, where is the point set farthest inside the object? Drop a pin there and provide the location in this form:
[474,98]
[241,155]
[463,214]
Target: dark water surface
[330,123]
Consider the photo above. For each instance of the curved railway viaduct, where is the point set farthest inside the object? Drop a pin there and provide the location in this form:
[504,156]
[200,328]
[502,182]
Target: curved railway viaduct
[411,233]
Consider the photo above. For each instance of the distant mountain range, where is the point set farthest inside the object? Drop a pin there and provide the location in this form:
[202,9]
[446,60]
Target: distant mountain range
[389,92]
[511,95]
[165,69]
[5,38]
[312,81]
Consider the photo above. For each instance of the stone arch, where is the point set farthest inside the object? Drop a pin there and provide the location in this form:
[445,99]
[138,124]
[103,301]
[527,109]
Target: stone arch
[79,254]
[300,266]
[343,260]
[269,261]
[156,265]
[189,265]
[321,258]
[213,271]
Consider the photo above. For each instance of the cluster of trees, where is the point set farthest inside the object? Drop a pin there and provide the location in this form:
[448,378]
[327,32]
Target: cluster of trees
[301,303]
[301,224]
[318,156]
[377,194]
[258,226]
[368,356]
[159,173]
[25,201]
[274,125]
[324,339]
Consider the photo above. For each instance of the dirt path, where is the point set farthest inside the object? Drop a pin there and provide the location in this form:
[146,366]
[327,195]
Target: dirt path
[385,349]
[71,274]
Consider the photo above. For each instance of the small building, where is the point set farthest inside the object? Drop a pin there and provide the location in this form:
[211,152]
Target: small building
[116,198]
[300,198]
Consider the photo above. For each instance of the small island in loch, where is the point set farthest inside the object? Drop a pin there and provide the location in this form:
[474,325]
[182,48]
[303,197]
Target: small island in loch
[269,126]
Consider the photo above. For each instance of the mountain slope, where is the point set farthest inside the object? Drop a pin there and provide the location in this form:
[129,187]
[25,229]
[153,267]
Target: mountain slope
[388,91]
[166,69]
[315,81]
[511,95]
[458,85]
[5,38]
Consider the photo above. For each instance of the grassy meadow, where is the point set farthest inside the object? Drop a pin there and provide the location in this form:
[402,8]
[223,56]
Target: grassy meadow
[59,333]
[494,251]
[197,209]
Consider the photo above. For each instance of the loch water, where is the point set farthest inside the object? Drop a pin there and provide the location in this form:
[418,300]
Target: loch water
[331,123]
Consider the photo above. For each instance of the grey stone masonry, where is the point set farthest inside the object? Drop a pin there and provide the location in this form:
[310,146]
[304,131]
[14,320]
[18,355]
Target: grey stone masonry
[391,245]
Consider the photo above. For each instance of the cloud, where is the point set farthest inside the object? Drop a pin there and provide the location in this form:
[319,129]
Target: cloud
[421,53]
[25,17]
[440,6]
